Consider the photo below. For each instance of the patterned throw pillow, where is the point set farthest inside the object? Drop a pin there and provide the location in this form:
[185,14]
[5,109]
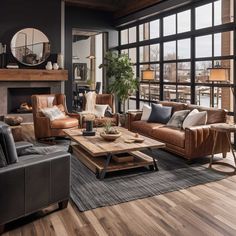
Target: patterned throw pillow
[195,118]
[177,119]
[53,113]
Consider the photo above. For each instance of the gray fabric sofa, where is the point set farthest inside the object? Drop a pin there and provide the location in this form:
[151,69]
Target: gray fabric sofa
[31,182]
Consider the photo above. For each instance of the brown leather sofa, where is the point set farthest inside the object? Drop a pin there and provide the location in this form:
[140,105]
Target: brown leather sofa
[190,143]
[43,127]
[105,99]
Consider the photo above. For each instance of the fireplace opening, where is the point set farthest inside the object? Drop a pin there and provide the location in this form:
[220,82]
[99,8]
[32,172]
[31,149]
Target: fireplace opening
[19,99]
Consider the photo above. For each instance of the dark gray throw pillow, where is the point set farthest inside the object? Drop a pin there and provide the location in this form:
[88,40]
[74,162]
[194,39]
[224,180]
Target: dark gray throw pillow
[177,118]
[160,114]
[3,161]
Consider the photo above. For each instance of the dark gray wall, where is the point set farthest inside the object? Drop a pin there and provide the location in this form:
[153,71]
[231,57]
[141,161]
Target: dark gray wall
[44,15]
[86,19]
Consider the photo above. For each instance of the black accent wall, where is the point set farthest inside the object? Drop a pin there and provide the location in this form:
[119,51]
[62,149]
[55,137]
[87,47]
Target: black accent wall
[44,15]
[86,19]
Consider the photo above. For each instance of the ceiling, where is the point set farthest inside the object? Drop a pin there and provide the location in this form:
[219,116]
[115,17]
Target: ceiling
[119,8]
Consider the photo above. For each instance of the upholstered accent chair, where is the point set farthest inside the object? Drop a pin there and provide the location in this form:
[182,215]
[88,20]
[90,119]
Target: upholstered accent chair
[113,117]
[29,183]
[44,128]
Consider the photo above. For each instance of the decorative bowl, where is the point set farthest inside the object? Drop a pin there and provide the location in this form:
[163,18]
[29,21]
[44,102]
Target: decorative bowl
[13,120]
[110,137]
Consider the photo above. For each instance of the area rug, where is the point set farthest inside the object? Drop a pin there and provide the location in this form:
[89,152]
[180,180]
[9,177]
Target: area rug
[87,192]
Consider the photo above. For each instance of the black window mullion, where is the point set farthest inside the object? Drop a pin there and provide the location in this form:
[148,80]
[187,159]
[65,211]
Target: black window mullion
[161,62]
[137,70]
[193,93]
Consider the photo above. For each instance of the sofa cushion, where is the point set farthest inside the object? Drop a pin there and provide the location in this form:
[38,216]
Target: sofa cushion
[144,127]
[8,144]
[169,135]
[178,118]
[160,114]
[214,115]
[64,123]
[195,118]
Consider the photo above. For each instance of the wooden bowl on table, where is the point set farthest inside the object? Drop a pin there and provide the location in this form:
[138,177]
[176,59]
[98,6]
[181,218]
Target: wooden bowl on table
[110,137]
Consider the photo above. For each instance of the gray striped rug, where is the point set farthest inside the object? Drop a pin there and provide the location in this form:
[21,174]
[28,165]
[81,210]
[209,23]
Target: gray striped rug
[88,192]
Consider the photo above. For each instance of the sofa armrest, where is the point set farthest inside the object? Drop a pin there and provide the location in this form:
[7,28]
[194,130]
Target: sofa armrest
[199,141]
[133,116]
[32,184]
[73,115]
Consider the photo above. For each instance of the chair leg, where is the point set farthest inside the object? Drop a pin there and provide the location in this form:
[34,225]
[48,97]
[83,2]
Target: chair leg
[63,204]
[2,227]
[224,154]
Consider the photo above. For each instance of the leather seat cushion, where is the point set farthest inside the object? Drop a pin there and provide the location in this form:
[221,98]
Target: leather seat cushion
[143,127]
[64,123]
[169,135]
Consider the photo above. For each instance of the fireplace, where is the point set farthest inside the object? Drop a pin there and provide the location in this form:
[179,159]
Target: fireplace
[19,99]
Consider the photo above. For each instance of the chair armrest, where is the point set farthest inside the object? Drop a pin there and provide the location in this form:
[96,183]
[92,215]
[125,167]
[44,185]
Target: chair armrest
[199,141]
[73,115]
[33,184]
[133,116]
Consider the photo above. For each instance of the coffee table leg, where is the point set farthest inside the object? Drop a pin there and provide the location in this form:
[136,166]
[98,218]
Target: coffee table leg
[154,160]
[106,164]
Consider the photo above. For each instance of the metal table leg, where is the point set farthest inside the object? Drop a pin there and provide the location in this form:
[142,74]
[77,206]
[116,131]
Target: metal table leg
[154,160]
[106,164]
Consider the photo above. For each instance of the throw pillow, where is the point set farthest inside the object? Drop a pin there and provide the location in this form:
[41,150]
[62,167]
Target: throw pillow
[100,110]
[160,114]
[177,118]
[53,113]
[90,98]
[195,118]
[108,112]
[147,111]
[3,161]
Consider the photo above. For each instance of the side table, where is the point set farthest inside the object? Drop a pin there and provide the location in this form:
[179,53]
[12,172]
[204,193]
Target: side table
[227,129]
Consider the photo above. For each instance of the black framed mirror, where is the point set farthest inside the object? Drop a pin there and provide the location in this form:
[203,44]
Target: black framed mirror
[30,47]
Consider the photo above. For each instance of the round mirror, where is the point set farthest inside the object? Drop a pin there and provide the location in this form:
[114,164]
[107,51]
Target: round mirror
[30,46]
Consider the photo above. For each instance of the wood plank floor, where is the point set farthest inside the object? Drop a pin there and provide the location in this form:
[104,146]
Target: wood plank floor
[201,210]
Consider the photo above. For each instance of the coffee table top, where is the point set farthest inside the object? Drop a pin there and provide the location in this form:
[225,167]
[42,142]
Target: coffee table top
[97,146]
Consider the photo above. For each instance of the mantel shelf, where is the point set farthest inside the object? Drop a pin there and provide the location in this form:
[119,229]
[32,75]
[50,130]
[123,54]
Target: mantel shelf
[33,75]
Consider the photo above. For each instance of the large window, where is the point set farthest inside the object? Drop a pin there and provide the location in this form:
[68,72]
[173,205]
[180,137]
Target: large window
[180,47]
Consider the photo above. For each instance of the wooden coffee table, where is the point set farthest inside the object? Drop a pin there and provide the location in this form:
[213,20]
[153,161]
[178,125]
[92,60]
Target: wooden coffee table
[102,156]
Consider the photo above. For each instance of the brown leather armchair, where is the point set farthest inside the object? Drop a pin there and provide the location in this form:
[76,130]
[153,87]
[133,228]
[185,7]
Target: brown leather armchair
[43,127]
[105,99]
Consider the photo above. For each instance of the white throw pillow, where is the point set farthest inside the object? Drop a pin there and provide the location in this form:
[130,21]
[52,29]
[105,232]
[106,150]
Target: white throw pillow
[147,111]
[90,101]
[53,113]
[195,118]
[100,110]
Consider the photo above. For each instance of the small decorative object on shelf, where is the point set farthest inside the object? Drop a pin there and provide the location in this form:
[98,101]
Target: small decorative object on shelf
[13,120]
[60,61]
[55,66]
[12,66]
[49,65]
[110,133]
[3,51]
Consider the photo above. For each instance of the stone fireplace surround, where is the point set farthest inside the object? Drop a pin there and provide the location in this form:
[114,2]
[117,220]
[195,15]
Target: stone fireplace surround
[29,78]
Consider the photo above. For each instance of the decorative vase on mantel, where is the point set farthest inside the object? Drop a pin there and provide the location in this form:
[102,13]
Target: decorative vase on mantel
[49,65]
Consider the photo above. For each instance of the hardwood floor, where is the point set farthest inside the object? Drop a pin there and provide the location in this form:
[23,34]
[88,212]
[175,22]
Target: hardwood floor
[201,210]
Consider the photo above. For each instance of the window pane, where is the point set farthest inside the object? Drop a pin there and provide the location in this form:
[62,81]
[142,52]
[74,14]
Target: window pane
[154,91]
[170,50]
[204,46]
[154,29]
[223,12]
[144,54]
[202,72]
[155,67]
[124,51]
[132,55]
[184,72]
[184,21]
[170,72]
[184,49]
[169,93]
[154,52]
[144,32]
[141,30]
[132,35]
[124,36]
[227,64]
[223,44]
[203,95]
[169,25]
[183,94]
[204,16]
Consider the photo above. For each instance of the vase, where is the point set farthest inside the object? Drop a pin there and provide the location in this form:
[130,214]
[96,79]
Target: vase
[49,65]
[55,66]
[60,61]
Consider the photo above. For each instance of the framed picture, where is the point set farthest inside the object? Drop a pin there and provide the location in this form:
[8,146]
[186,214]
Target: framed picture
[80,71]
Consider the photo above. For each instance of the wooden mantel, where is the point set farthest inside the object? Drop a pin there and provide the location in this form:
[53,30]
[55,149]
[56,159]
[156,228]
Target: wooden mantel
[33,75]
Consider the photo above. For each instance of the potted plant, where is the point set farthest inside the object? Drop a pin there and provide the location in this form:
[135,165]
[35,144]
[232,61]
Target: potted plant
[120,75]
